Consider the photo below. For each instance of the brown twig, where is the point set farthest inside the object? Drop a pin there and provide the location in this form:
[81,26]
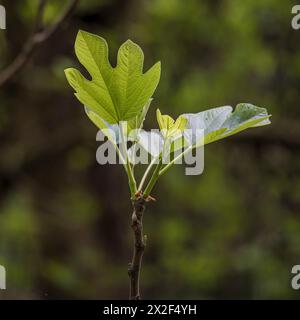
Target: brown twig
[38,36]
[40,16]
[134,268]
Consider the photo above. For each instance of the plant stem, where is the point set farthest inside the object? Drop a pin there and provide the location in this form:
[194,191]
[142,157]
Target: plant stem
[168,166]
[134,267]
[147,173]
[131,179]
[153,180]
[132,183]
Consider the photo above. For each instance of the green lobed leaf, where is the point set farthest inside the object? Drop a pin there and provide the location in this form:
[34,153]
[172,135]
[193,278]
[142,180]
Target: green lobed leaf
[221,122]
[114,94]
[168,126]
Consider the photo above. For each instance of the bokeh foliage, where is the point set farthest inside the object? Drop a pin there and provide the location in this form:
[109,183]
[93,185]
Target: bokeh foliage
[233,232]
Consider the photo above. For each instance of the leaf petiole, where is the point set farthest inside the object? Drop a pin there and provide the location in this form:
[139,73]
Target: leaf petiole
[131,179]
[153,179]
[168,166]
[152,163]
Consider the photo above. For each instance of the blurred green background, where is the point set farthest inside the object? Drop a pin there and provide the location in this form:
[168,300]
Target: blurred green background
[233,232]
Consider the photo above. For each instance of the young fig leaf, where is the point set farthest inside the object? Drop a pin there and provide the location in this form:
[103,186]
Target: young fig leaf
[114,94]
[168,126]
[221,122]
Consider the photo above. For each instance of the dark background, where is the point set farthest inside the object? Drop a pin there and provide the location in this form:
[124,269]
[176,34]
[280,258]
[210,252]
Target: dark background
[233,232]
